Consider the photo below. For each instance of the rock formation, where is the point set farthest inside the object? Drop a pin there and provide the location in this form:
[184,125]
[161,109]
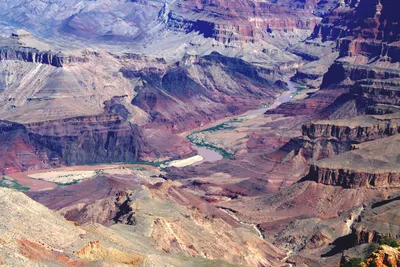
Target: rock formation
[302,95]
[28,54]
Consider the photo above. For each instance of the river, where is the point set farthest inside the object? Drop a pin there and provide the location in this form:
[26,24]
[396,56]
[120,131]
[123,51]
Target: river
[210,155]
[283,98]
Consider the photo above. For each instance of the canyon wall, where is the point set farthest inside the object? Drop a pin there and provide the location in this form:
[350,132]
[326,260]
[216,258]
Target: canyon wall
[55,59]
[224,22]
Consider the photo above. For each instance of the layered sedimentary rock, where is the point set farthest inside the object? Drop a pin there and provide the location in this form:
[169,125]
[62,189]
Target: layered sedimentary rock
[88,139]
[371,164]
[325,138]
[340,72]
[28,54]
[70,141]
[223,21]
[380,220]
[166,211]
[80,140]
[350,178]
[201,89]
[17,153]
[373,33]
[358,129]
[384,91]
[365,88]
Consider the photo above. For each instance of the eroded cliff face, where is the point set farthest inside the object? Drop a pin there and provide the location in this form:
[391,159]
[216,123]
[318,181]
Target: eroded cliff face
[365,78]
[103,138]
[365,35]
[201,89]
[342,72]
[367,129]
[82,140]
[17,153]
[350,178]
[28,54]
[76,141]
[363,30]
[247,21]
[377,222]
[370,164]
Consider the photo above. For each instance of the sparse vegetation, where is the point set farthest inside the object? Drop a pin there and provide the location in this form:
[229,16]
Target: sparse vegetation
[388,241]
[353,262]
[374,247]
[371,253]
[194,139]
[134,168]
[198,142]
[9,182]
[68,183]
[223,126]
[298,90]
[301,88]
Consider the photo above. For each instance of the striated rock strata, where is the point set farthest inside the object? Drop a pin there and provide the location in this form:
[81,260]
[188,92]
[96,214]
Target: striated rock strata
[28,54]
[79,140]
[371,164]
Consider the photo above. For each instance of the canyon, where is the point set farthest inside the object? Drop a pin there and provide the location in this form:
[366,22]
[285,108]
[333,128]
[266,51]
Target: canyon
[199,133]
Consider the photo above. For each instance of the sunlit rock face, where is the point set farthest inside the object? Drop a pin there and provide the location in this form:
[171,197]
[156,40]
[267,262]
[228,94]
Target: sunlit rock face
[366,28]
[248,21]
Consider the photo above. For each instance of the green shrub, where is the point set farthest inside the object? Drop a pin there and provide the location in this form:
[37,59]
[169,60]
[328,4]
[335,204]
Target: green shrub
[388,241]
[353,262]
[374,247]
[11,183]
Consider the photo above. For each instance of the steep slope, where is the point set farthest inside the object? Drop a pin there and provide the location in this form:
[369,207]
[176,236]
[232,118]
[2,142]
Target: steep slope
[200,90]
[33,235]
[247,21]
[117,93]
[378,222]
[160,216]
[371,164]
[372,35]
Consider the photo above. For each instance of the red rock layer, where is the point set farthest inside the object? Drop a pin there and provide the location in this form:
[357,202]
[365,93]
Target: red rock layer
[229,21]
[353,178]
[368,28]
[76,141]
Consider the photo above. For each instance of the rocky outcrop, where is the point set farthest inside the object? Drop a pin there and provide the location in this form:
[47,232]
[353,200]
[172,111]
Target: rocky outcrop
[349,178]
[28,54]
[174,97]
[79,140]
[350,131]
[382,256]
[225,24]
[179,23]
[301,76]
[378,91]
[366,28]
[370,164]
[340,72]
[95,251]
[377,222]
[106,211]
[88,140]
